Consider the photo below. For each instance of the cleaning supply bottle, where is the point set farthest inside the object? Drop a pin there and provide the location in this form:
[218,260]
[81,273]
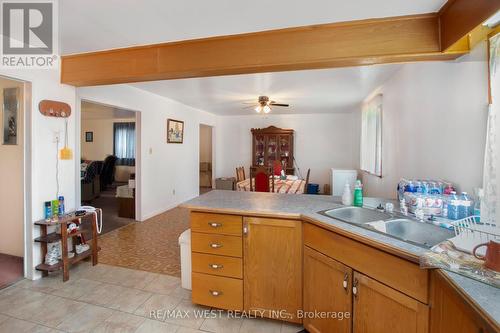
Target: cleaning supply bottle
[465,206]
[358,194]
[347,195]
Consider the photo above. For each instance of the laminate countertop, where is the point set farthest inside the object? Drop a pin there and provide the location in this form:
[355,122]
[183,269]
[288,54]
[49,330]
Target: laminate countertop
[306,207]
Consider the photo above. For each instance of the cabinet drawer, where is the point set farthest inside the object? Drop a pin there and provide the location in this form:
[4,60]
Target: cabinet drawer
[217,291]
[393,271]
[217,244]
[216,223]
[217,265]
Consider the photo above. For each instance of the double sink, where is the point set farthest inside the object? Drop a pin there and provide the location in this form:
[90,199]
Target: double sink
[419,233]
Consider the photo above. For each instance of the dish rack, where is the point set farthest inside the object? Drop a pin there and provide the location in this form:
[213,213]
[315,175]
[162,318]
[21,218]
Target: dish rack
[469,233]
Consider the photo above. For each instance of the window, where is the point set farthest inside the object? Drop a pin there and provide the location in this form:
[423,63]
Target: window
[371,136]
[124,143]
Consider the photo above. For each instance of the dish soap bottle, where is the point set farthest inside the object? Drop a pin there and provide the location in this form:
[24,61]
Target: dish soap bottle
[347,195]
[358,194]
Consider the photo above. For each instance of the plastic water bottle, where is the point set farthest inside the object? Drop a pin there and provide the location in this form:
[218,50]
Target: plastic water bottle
[465,206]
[453,204]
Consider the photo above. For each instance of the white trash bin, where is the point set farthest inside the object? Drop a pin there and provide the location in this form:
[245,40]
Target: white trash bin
[185,243]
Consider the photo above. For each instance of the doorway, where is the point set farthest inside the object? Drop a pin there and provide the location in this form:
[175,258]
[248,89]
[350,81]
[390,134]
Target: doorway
[12,191]
[206,159]
[108,162]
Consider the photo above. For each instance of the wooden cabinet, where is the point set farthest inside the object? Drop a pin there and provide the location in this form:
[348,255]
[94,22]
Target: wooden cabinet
[381,309]
[327,294]
[272,144]
[450,313]
[272,267]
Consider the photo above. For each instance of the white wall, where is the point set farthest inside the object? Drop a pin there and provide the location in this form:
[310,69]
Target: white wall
[102,144]
[434,121]
[163,167]
[12,179]
[40,154]
[322,141]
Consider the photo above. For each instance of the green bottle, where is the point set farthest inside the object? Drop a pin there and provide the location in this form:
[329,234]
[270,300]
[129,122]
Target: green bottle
[358,194]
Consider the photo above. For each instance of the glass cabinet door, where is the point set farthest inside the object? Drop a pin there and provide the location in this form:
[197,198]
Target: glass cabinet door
[285,147]
[259,149]
[272,149]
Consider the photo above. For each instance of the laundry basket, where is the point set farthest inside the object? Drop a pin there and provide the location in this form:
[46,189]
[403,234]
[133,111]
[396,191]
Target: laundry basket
[185,244]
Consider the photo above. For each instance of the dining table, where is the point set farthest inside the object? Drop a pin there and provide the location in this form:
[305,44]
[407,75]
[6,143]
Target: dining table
[290,185]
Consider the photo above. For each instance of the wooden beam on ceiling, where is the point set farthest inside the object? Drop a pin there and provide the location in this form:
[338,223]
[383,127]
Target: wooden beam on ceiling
[457,18]
[354,43]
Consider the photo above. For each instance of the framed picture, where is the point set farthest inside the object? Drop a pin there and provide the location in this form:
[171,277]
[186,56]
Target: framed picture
[89,136]
[175,131]
[10,115]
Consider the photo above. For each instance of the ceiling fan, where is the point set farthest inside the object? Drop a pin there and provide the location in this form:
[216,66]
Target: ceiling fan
[264,105]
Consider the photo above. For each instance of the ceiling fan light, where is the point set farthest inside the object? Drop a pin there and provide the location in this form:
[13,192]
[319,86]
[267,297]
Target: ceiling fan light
[258,109]
[266,109]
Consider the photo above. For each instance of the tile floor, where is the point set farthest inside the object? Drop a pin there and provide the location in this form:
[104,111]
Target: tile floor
[106,298]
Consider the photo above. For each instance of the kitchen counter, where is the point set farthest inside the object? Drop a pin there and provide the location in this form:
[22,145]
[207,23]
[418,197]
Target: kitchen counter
[486,298]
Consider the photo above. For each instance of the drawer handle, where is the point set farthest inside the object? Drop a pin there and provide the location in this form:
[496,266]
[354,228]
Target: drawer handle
[215,266]
[214,224]
[215,293]
[355,288]
[345,283]
[215,246]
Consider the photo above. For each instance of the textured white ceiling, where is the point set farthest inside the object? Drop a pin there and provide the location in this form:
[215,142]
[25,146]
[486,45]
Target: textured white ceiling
[312,91]
[90,25]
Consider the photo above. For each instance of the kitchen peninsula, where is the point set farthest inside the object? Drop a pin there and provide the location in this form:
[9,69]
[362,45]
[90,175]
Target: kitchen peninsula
[261,251]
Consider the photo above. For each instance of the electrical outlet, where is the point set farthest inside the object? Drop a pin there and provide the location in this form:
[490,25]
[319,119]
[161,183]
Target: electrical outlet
[56,137]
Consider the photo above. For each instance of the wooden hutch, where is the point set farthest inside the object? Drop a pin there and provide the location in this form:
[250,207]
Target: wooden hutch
[273,144]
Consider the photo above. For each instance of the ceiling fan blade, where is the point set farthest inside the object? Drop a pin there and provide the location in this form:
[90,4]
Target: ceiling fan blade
[249,102]
[279,104]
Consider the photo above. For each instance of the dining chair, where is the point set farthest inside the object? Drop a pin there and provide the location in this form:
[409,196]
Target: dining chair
[263,178]
[307,180]
[240,174]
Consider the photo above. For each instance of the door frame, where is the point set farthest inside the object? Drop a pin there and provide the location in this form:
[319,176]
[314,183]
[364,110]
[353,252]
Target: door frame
[78,152]
[27,184]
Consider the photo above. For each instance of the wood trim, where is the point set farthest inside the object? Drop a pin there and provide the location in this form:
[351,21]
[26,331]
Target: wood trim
[354,43]
[459,17]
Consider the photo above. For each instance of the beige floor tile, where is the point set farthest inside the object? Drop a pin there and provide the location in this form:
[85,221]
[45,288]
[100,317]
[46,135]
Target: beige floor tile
[103,294]
[56,311]
[76,288]
[3,318]
[138,279]
[258,325]
[45,285]
[156,306]
[153,326]
[14,296]
[27,307]
[187,314]
[163,284]
[181,293]
[222,324]
[129,300]
[291,328]
[86,319]
[120,322]
[44,329]
[188,330]
[16,325]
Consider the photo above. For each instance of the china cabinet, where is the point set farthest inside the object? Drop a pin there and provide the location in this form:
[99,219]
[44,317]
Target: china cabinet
[272,144]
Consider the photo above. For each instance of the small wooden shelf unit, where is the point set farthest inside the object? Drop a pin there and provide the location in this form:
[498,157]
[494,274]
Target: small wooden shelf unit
[46,238]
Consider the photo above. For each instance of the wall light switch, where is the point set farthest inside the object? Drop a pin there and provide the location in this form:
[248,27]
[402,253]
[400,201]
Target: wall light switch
[150,151]
[56,137]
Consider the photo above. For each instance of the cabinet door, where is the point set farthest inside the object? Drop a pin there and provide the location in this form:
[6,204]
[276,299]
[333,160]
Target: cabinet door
[272,267]
[381,309]
[327,291]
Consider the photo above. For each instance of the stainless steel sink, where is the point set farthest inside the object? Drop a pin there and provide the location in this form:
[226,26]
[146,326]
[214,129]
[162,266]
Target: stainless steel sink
[356,215]
[406,229]
[422,233]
